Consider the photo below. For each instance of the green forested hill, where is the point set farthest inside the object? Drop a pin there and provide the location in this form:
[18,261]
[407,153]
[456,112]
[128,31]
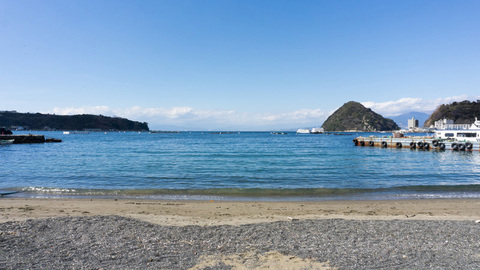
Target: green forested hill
[354,116]
[38,121]
[460,112]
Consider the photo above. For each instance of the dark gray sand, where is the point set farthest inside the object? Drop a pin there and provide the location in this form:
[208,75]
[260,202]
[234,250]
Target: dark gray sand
[112,242]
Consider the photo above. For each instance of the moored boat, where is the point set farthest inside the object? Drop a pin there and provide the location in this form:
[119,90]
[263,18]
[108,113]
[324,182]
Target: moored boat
[445,129]
[6,142]
[310,131]
[317,130]
[303,131]
[75,132]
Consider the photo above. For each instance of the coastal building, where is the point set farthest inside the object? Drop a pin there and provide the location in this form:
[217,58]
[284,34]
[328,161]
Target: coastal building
[412,123]
[448,124]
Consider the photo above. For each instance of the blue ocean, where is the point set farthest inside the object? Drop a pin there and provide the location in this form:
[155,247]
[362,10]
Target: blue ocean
[232,166]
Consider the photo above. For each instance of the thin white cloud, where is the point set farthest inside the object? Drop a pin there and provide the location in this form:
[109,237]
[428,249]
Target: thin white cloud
[188,117]
[82,110]
[406,105]
[303,115]
[171,113]
[196,119]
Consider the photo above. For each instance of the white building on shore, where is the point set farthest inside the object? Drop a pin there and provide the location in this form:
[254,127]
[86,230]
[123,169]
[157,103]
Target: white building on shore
[448,124]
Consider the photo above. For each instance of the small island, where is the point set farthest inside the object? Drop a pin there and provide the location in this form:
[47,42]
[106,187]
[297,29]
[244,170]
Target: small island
[353,116]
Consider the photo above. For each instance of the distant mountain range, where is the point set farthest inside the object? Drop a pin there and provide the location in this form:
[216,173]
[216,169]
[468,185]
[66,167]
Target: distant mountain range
[402,120]
[38,121]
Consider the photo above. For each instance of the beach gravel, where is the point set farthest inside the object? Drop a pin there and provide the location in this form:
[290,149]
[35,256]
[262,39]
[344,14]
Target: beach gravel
[113,242]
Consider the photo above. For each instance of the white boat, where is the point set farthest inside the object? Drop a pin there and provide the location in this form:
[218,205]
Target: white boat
[303,131]
[6,142]
[75,132]
[445,129]
[317,130]
[310,131]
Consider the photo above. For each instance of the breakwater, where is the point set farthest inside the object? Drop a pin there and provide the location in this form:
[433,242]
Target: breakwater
[29,138]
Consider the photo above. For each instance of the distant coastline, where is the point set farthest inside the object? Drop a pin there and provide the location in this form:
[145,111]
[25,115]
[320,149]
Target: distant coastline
[36,121]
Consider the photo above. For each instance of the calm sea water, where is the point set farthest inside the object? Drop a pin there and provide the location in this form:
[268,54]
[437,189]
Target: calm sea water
[237,166]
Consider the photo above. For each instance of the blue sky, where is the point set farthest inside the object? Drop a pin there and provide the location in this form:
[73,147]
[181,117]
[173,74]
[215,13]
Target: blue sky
[236,65]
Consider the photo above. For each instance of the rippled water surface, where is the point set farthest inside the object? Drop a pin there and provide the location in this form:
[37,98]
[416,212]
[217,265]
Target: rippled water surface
[245,164]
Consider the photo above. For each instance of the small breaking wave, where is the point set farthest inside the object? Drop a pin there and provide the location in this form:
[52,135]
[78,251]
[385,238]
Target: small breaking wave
[302,194]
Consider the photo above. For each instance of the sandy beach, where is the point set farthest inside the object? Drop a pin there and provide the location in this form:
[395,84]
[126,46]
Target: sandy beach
[148,234]
[204,213]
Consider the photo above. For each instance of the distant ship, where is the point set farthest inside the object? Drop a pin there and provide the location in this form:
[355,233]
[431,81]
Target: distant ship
[317,130]
[303,131]
[310,131]
[75,132]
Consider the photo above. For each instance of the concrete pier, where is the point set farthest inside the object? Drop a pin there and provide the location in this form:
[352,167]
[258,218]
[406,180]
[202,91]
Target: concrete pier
[423,143]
